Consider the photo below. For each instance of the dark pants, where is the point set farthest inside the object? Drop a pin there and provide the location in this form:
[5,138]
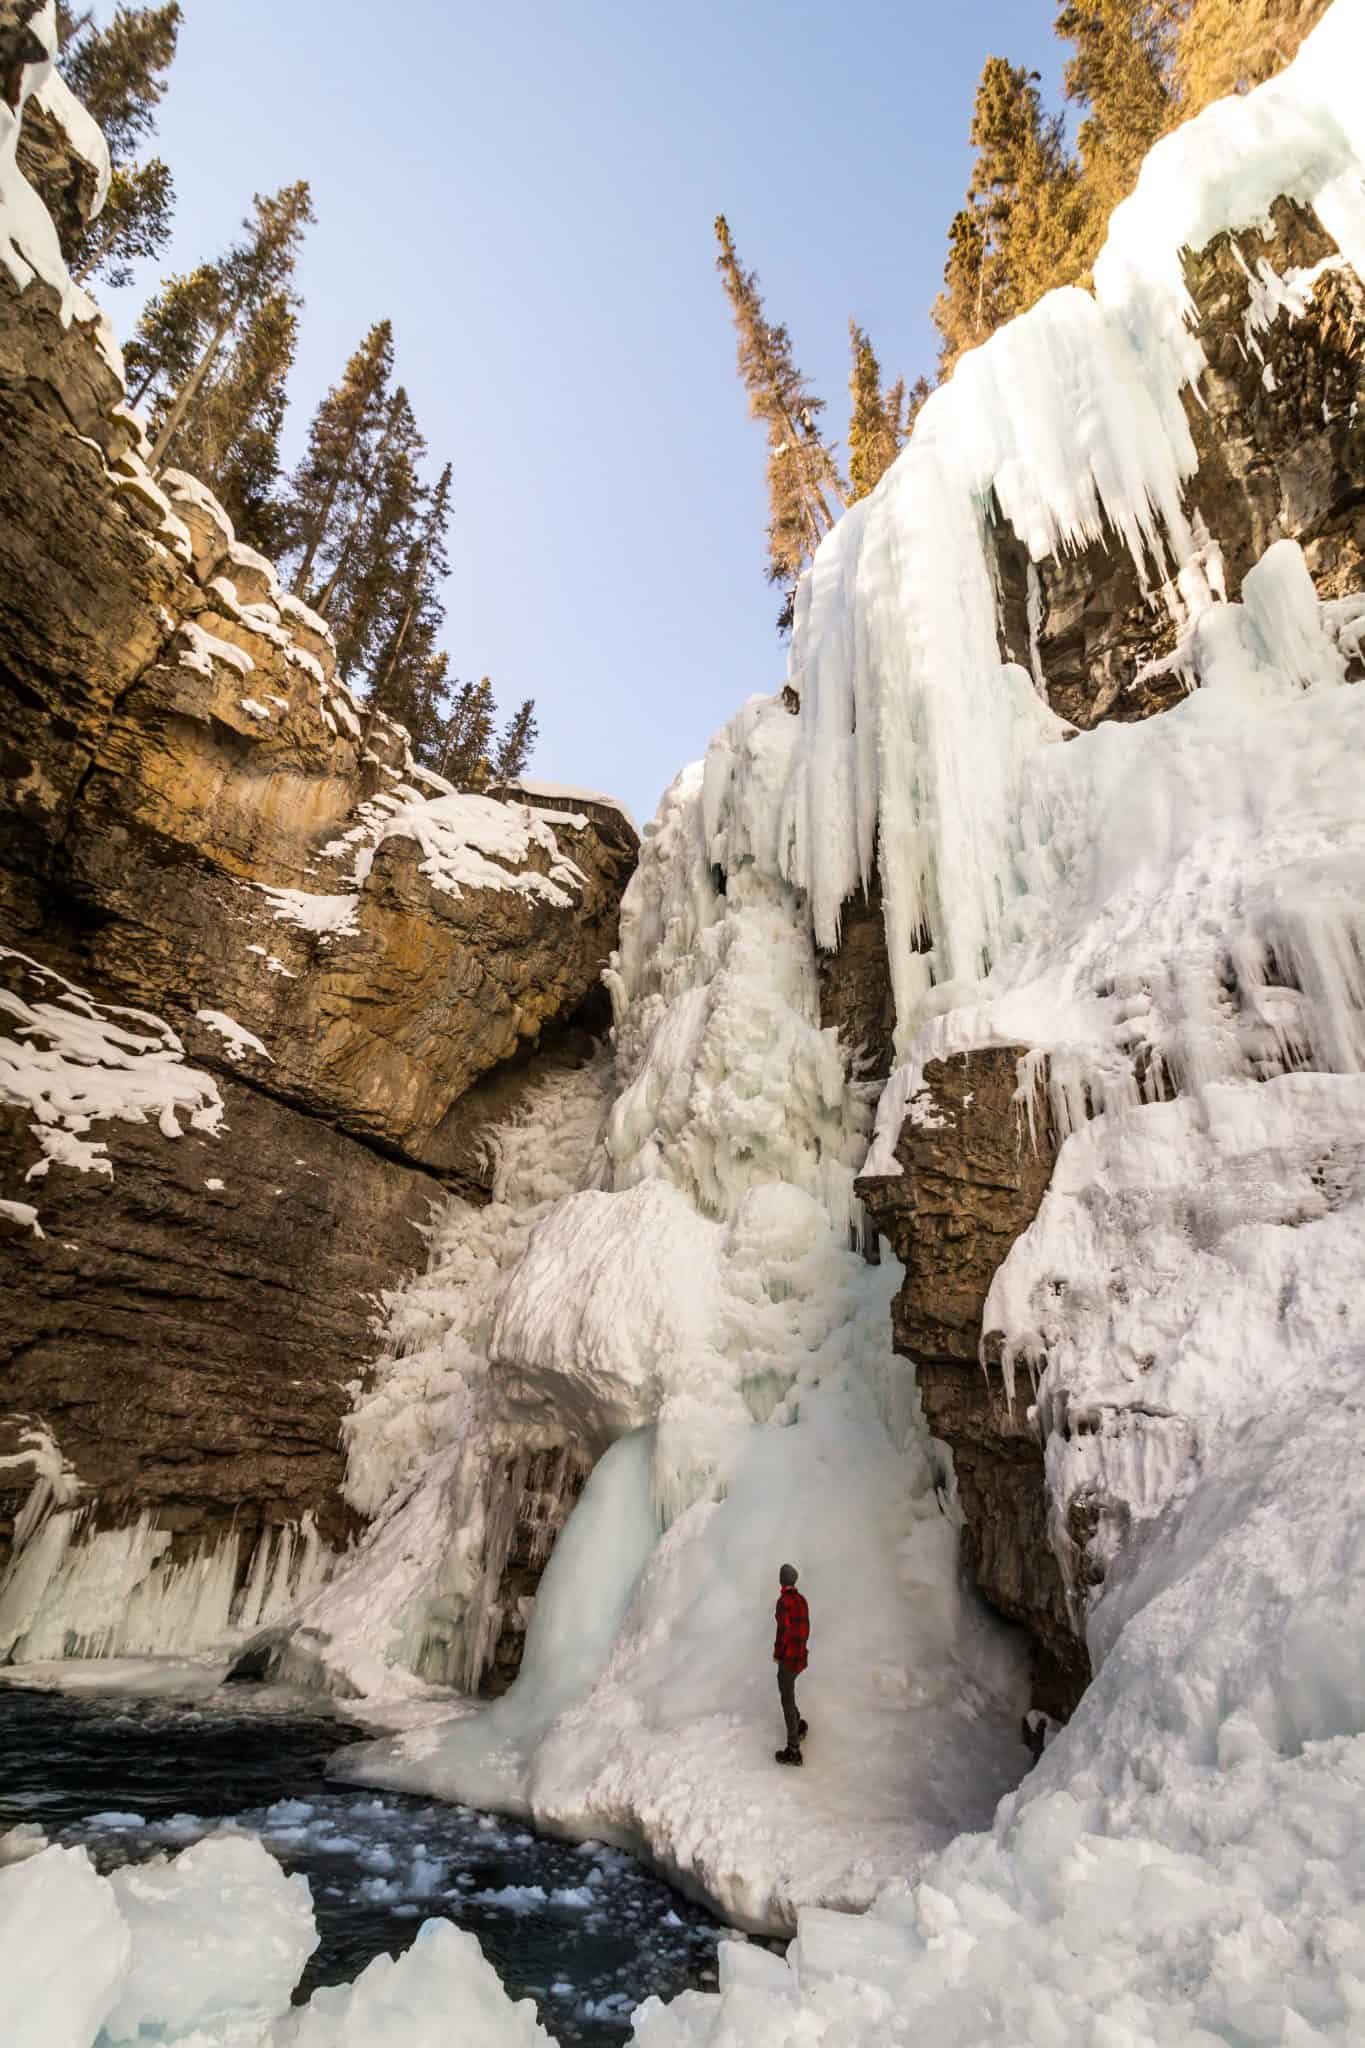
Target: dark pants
[787,1675]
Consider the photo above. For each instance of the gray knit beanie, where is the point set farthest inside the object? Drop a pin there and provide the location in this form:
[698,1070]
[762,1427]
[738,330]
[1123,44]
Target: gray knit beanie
[787,1575]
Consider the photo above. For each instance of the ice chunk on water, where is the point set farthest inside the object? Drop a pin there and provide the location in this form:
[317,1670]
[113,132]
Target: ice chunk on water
[218,1931]
[440,1992]
[205,1950]
[64,1951]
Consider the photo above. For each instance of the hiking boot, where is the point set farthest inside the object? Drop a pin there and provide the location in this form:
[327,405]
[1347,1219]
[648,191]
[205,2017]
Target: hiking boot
[787,1756]
[802,1730]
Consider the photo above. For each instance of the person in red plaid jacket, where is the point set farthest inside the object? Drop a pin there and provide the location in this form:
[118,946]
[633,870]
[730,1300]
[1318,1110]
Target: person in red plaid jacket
[789,1655]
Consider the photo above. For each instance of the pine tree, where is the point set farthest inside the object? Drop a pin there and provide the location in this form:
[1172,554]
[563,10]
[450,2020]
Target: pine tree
[804,487]
[415,611]
[1024,210]
[358,598]
[343,441]
[119,72]
[225,297]
[1230,46]
[874,436]
[515,744]
[232,438]
[466,741]
[1120,74]
[166,344]
[384,507]
[914,401]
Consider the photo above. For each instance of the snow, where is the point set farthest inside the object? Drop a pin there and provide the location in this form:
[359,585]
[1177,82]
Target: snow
[330,916]
[243,557]
[218,1930]
[466,842]
[24,1214]
[178,483]
[563,795]
[72,1063]
[238,1041]
[309,663]
[295,610]
[1168,913]
[29,245]
[1191,1264]
[666,1287]
[135,477]
[204,1949]
[54,1907]
[256,710]
[674,1297]
[203,649]
[257,618]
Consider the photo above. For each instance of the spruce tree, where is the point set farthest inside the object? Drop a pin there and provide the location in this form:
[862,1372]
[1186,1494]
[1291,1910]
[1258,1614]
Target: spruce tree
[1120,75]
[515,743]
[1024,211]
[1230,46]
[467,742]
[415,611]
[119,72]
[169,335]
[358,598]
[371,535]
[804,487]
[229,293]
[874,420]
[232,438]
[343,441]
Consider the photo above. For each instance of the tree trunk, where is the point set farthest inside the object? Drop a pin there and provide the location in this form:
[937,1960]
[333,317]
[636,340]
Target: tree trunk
[189,391]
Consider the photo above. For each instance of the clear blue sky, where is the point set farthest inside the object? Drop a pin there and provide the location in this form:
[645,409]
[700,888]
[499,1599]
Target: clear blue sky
[527,191]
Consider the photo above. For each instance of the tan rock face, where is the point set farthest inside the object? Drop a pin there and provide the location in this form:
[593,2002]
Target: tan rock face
[973,1174]
[1278,425]
[174,748]
[187,1328]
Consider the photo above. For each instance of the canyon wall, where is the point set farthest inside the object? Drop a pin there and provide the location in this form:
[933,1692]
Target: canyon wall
[1277,423]
[263,978]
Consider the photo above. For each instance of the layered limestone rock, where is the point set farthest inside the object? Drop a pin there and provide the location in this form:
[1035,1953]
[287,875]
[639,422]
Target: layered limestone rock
[1277,426]
[208,848]
[975,1162]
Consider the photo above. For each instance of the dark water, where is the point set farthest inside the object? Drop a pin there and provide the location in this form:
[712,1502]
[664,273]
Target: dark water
[581,1929]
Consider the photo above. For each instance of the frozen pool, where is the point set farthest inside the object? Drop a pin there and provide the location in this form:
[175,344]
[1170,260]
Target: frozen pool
[581,1928]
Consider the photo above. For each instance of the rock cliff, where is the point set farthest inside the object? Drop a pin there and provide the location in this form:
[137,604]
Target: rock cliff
[262,977]
[1277,423]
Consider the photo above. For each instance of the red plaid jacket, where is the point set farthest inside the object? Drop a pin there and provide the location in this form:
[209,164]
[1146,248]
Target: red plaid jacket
[793,1629]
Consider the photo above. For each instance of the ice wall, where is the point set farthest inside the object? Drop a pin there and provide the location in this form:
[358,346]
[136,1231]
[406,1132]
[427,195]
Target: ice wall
[1169,913]
[1069,424]
[698,1309]
[77,1591]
